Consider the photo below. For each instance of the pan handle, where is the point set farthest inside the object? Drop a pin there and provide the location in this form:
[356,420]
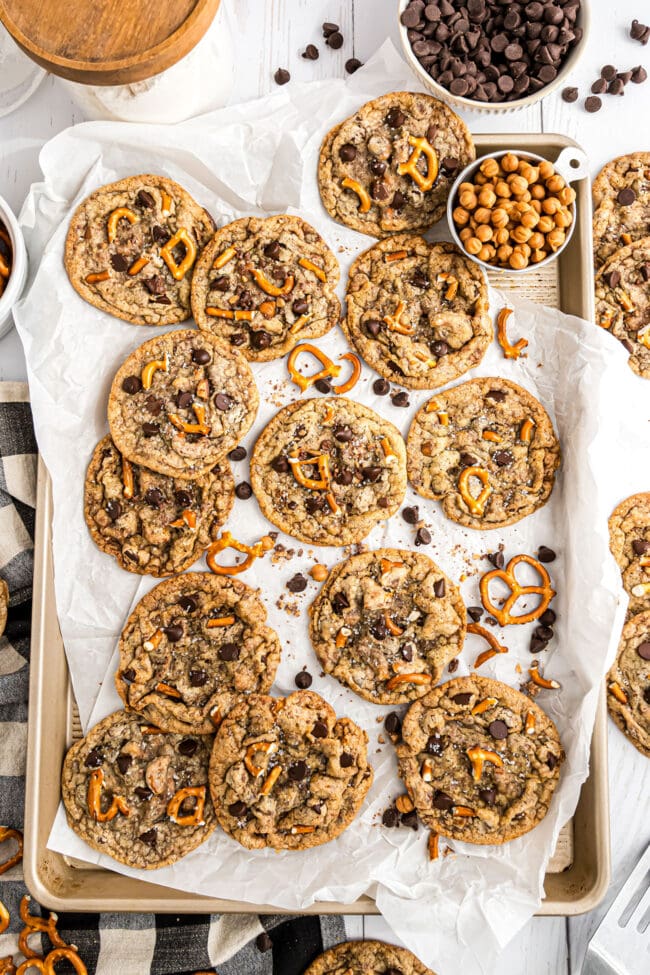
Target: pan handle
[572,164]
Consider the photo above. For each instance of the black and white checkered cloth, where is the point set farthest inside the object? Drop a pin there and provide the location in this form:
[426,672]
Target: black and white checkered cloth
[109,944]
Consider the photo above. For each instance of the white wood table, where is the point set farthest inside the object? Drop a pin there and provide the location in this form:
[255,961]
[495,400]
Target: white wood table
[271,34]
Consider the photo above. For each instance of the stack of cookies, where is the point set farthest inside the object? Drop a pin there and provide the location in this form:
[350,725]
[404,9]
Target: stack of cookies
[201,741]
[621,194]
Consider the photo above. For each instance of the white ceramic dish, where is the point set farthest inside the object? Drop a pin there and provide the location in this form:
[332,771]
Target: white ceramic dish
[571,164]
[469,104]
[18,275]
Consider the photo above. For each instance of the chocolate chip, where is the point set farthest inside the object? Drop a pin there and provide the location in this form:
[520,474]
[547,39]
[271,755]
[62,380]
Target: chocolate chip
[640,546]
[502,458]
[198,678]
[440,588]
[399,201]
[347,152]
[113,509]
[537,645]
[434,745]
[188,747]
[441,801]
[395,118]
[297,583]
[608,72]
[411,515]
[419,279]
[371,473]
[160,235]
[154,497]
[260,339]
[344,477]
[410,819]
[272,250]
[343,433]
[545,554]
[624,76]
[639,75]
[646,695]
[498,729]
[222,401]
[173,632]
[94,758]
[410,17]
[334,40]
[488,796]
[626,196]
[613,278]
[544,633]
[220,284]
[639,32]
[143,792]
[150,837]
[547,618]
[462,699]
[390,817]
[323,386]
[299,306]
[154,404]
[393,723]
[280,464]
[616,87]
[643,650]
[593,104]
[243,491]
[263,942]
[229,652]
[496,395]
[346,760]
[187,603]
[311,53]
[155,285]
[298,771]
[144,199]
[467,460]
[352,65]
[497,559]
[407,651]
[281,76]
[422,536]
[475,613]
[200,356]
[303,680]
[150,429]
[378,629]
[124,763]
[379,190]
[319,730]
[450,164]
[340,602]
[381,387]
[599,86]
[570,94]
[551,760]
[400,399]
[452,666]
[237,809]
[131,385]
[119,262]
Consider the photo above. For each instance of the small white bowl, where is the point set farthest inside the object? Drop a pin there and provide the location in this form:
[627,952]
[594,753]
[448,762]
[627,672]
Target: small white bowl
[18,276]
[572,164]
[469,104]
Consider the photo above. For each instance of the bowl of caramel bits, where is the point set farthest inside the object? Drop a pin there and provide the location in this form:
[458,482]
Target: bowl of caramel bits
[513,211]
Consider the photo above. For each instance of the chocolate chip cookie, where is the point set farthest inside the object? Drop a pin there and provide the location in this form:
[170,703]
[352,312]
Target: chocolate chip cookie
[485,449]
[623,301]
[629,540]
[4,605]
[287,773]
[265,285]
[131,247]
[180,402]
[191,647]
[138,794]
[328,470]
[153,524]
[621,194]
[386,623]
[479,760]
[367,958]
[390,166]
[628,683]
[418,312]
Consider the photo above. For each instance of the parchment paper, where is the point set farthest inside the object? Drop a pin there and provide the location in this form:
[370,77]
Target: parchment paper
[455,913]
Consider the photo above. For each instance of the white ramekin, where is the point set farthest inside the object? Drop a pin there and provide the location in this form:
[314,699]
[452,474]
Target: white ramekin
[18,275]
[456,102]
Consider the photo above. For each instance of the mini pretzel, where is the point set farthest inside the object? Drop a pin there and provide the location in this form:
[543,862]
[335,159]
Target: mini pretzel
[138,265]
[452,284]
[224,258]
[354,378]
[387,447]
[272,289]
[270,780]
[251,552]
[236,316]
[94,800]
[178,271]
[507,575]
[299,323]
[478,757]
[407,679]
[152,367]
[58,954]
[342,637]
[433,844]
[166,202]
[97,277]
[394,322]
[331,501]
[364,199]
[153,641]
[303,829]
[218,621]
[194,818]
[187,518]
[617,691]
[477,504]
[434,406]
[509,351]
[426,770]
[200,427]
[530,724]
[391,626]
[526,431]
[127,478]
[4,918]
[263,747]
[495,646]
[7,966]
[6,833]
[304,382]
[536,677]
[421,147]
[310,266]
[33,962]
[122,213]
[34,924]
[484,705]
[319,460]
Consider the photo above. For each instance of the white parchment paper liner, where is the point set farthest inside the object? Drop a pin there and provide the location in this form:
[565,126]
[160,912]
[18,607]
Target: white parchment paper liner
[458,912]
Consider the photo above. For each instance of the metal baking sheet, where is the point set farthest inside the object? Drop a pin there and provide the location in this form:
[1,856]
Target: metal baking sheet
[578,874]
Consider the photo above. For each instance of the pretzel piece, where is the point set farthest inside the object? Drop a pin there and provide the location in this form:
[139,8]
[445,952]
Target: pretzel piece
[151,368]
[310,266]
[194,818]
[476,504]
[354,377]
[258,747]
[364,199]
[70,954]
[121,213]
[94,800]
[251,552]
[495,646]
[536,677]
[222,259]
[304,382]
[138,265]
[407,679]
[4,918]
[504,613]
[6,833]
[178,271]
[272,289]
[394,321]
[509,351]
[421,147]
[479,756]
[97,277]
[319,460]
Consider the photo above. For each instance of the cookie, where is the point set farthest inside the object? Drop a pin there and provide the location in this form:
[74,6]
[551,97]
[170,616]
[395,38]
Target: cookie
[628,683]
[391,165]
[479,760]
[152,524]
[485,449]
[629,540]
[4,605]
[367,958]
[287,773]
[131,247]
[418,312]
[386,623]
[623,301]
[264,285]
[621,194]
[191,647]
[137,794]
[328,470]
[180,402]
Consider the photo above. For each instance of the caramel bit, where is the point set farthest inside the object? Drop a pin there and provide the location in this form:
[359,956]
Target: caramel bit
[118,803]
[404,803]
[194,818]
[479,756]
[421,147]
[319,572]
[477,504]
[364,199]
[509,351]
[504,613]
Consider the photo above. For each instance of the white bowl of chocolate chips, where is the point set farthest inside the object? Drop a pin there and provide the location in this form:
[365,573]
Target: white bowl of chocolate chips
[492,55]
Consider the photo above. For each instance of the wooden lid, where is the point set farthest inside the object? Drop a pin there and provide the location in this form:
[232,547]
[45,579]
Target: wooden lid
[107,42]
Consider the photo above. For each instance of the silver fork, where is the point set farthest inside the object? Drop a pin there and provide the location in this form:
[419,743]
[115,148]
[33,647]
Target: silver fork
[621,944]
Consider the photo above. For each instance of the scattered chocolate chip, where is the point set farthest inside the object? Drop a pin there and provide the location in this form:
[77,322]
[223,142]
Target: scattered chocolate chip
[643,650]
[323,386]
[537,645]
[410,819]
[462,699]
[352,65]
[334,40]
[263,942]
[184,400]
[319,730]
[381,387]
[300,306]
[626,196]
[411,515]
[200,356]
[400,399]
[144,199]
[497,559]
[639,75]
[160,235]
[599,86]
[222,401]
[390,817]
[440,588]
[237,453]
[393,723]
[379,190]
[237,809]
[452,666]
[311,53]
[243,491]
[124,763]
[113,509]
[378,167]
[119,262]
[187,603]
[608,72]
[639,32]
[547,618]
[150,429]
[475,613]
[143,792]
[616,87]
[94,758]
[544,633]
[372,327]
[545,554]
[422,536]
[150,837]
[441,801]
[298,771]
[173,632]
[131,385]
[297,583]
[188,747]
[329,28]
[229,651]
[624,76]
[593,104]
[570,94]
[281,76]
[198,678]
[346,760]
[498,729]
[303,680]
[467,460]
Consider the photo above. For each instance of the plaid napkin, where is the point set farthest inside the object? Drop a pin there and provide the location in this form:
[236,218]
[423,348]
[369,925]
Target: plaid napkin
[109,944]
